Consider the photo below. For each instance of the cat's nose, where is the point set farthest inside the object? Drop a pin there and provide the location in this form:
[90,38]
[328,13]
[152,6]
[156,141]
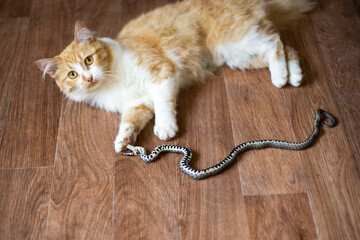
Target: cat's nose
[90,78]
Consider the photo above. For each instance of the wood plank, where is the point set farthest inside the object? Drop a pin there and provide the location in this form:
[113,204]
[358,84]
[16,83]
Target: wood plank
[258,111]
[280,217]
[82,193]
[146,200]
[210,206]
[337,27]
[12,32]
[357,6]
[329,166]
[118,13]
[15,8]
[132,9]
[24,202]
[33,116]
[103,17]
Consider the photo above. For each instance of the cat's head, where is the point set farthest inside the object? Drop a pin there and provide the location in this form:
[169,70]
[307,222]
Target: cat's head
[82,68]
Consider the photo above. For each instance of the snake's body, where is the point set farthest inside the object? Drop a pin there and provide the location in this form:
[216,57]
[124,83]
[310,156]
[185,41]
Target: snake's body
[321,115]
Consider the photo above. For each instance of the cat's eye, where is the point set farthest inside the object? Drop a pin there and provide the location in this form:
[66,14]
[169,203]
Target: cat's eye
[72,74]
[89,60]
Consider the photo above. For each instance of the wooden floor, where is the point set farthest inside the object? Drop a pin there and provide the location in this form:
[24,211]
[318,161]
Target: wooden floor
[61,179]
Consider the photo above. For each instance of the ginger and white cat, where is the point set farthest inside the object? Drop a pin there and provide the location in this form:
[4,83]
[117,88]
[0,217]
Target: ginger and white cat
[140,73]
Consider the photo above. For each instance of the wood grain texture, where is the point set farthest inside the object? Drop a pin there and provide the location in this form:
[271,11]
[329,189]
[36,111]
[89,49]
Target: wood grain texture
[15,8]
[13,33]
[35,105]
[145,195]
[104,17]
[212,208]
[337,26]
[258,111]
[24,202]
[329,166]
[133,8]
[82,192]
[280,217]
[92,193]
[108,17]
[357,6]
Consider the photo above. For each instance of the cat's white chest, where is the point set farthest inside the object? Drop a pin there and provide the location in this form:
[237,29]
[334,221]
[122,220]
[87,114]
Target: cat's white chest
[110,99]
[130,86]
[117,99]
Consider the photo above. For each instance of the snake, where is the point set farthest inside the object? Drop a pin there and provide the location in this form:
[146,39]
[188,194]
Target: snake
[321,117]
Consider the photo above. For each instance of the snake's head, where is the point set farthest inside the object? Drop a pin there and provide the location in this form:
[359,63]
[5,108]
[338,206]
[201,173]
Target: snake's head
[132,150]
[129,151]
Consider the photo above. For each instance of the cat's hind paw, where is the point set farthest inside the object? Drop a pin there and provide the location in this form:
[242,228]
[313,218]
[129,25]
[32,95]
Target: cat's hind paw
[296,76]
[279,73]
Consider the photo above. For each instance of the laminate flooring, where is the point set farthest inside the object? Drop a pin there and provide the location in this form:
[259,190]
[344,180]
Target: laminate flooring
[61,179]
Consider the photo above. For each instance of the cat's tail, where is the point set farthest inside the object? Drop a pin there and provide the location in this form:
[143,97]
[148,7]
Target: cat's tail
[283,12]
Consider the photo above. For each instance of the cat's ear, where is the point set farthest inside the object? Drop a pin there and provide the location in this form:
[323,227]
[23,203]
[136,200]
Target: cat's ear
[47,65]
[82,33]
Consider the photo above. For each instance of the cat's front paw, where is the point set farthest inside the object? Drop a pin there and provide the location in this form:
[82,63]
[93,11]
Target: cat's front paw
[121,143]
[166,131]
[126,136]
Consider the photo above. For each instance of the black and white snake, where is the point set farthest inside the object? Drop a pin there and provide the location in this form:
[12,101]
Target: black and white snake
[320,117]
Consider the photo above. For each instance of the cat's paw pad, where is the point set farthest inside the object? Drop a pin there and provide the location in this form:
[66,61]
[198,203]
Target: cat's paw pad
[166,131]
[296,76]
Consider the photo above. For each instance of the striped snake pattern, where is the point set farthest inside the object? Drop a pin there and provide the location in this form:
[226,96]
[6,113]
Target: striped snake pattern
[320,118]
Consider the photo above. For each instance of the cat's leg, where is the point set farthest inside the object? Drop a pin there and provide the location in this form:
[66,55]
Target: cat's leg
[293,65]
[257,63]
[263,46]
[295,73]
[133,120]
[278,59]
[277,62]
[164,97]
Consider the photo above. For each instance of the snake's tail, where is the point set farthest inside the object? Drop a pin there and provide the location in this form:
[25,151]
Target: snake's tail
[325,116]
[321,117]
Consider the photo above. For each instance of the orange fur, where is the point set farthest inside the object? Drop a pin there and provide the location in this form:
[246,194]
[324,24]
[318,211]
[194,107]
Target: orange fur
[291,54]
[170,47]
[77,52]
[138,116]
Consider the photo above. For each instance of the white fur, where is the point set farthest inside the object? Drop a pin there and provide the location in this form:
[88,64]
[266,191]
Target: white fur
[176,58]
[165,114]
[279,73]
[128,88]
[126,133]
[295,72]
[256,44]
[132,86]
[239,54]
